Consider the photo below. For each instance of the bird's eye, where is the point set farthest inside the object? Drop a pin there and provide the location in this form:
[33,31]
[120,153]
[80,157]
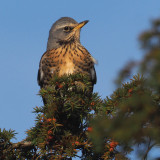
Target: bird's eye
[67,28]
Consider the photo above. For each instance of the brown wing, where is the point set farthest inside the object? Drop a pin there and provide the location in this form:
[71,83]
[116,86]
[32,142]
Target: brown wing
[85,62]
[47,67]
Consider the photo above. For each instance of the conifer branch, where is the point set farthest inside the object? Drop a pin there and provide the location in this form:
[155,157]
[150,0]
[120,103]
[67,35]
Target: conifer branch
[22,145]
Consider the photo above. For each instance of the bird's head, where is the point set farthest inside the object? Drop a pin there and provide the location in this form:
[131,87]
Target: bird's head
[64,30]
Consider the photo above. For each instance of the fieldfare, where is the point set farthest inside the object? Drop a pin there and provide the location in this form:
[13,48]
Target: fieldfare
[65,54]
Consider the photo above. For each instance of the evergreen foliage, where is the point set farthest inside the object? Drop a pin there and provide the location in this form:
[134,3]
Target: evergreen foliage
[135,118]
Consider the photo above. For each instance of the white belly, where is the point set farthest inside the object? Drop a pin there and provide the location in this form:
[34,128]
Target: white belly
[67,68]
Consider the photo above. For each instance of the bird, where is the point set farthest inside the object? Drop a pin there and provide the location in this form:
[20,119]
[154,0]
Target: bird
[65,54]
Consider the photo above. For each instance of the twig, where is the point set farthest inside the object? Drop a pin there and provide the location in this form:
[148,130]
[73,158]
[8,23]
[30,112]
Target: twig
[21,145]
[149,148]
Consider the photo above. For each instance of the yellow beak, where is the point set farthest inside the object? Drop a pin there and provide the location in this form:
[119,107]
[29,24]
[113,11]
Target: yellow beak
[80,25]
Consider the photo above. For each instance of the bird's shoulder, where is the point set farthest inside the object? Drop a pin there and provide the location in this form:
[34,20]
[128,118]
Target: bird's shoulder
[46,65]
[86,54]
[50,53]
[51,56]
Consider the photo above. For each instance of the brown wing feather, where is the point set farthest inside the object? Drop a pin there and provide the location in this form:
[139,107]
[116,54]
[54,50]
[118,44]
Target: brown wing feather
[87,63]
[48,65]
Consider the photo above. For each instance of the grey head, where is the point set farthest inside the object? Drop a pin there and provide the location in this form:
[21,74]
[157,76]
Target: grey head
[64,30]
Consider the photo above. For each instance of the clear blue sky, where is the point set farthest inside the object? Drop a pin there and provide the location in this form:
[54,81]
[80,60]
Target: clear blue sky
[111,37]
